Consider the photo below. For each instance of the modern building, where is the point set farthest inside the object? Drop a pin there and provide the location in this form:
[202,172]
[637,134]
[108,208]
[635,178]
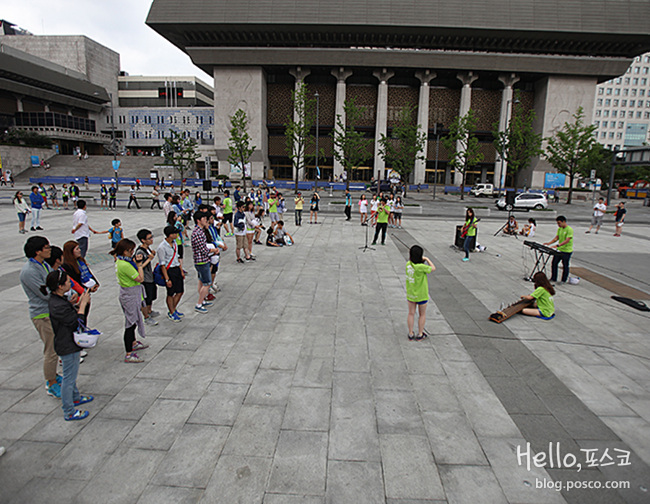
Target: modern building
[622,107]
[443,56]
[40,94]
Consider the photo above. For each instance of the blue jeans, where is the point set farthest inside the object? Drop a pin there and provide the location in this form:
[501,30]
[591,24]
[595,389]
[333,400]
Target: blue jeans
[469,244]
[69,392]
[564,258]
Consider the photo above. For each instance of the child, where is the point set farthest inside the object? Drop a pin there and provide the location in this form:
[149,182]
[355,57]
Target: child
[171,267]
[281,236]
[116,233]
[150,288]
[363,210]
[270,240]
[529,229]
[65,195]
[543,294]
[65,319]
[417,289]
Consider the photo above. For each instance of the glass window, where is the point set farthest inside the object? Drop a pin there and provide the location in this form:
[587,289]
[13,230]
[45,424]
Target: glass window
[627,79]
[611,134]
[630,115]
[615,103]
[617,92]
[614,112]
[638,115]
[646,59]
[619,135]
[644,82]
[609,91]
[605,113]
[623,103]
[631,103]
[636,70]
[597,113]
[603,134]
[646,115]
[645,70]
[612,124]
[596,123]
[608,102]
[621,124]
[641,92]
[633,92]
[635,81]
[618,80]
[599,102]
[601,91]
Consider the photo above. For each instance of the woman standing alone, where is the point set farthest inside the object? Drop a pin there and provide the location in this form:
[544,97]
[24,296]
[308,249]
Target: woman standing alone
[22,209]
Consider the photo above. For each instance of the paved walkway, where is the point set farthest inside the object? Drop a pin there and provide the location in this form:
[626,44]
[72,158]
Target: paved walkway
[301,387]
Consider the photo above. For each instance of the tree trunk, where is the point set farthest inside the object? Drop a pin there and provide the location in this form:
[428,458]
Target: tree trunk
[568,200]
[462,187]
[243,172]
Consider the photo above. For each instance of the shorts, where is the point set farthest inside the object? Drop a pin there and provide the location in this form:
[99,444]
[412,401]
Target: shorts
[419,302]
[65,198]
[178,284]
[397,215]
[227,217]
[545,318]
[240,241]
[214,268]
[203,270]
[619,224]
[314,208]
[274,216]
[150,292]
[597,221]
[21,217]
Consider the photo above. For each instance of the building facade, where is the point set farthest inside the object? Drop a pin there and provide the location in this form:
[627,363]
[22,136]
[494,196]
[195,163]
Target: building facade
[388,56]
[622,107]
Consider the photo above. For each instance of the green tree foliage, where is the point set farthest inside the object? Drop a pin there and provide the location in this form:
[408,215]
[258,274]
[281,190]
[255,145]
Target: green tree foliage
[405,145]
[180,152]
[519,143]
[16,136]
[239,142]
[351,147]
[298,129]
[573,150]
[463,146]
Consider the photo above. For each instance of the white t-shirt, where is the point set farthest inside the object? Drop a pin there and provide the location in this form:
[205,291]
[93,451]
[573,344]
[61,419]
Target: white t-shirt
[373,205]
[80,217]
[599,209]
[391,204]
[363,206]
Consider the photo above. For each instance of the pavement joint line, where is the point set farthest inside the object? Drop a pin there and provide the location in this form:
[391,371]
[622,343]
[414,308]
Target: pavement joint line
[521,420]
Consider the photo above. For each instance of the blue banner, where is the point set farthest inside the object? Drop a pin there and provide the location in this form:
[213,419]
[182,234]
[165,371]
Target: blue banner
[35,161]
[116,165]
[553,180]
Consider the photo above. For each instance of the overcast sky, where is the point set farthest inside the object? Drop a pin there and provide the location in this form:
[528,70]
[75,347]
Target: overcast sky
[117,24]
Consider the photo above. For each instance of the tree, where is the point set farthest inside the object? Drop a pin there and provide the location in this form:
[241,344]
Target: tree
[463,146]
[240,142]
[405,145]
[351,147]
[180,152]
[298,129]
[573,149]
[519,143]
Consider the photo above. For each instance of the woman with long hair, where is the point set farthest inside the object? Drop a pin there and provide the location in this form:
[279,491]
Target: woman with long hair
[470,232]
[65,318]
[22,209]
[77,267]
[54,196]
[130,275]
[103,197]
[397,213]
[543,296]
[252,225]
[313,207]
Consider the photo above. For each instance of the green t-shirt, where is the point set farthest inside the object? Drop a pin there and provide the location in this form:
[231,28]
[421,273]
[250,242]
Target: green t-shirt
[471,230]
[382,217]
[417,285]
[227,206]
[544,301]
[126,274]
[563,234]
[273,205]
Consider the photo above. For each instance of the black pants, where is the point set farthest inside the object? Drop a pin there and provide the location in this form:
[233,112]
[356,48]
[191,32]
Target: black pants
[133,199]
[129,338]
[348,211]
[298,217]
[156,202]
[563,257]
[381,226]
[111,202]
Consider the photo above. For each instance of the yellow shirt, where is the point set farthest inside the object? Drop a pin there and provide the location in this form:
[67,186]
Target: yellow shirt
[299,202]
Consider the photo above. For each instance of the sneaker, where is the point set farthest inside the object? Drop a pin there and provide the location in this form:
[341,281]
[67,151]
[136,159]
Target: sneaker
[420,337]
[210,297]
[200,309]
[32,228]
[587,232]
[132,357]
[138,345]
[250,258]
[83,353]
[213,289]
[150,321]
[465,259]
[154,313]
[173,317]
[39,228]
[373,243]
[54,390]
[179,314]
[240,260]
[207,303]
[77,415]
[83,400]
[411,337]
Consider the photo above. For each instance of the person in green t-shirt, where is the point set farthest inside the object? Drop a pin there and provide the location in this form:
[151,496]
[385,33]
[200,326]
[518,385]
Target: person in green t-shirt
[470,232]
[564,239]
[417,289]
[543,295]
[227,214]
[383,212]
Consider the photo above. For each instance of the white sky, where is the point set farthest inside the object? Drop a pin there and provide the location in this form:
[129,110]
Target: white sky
[117,24]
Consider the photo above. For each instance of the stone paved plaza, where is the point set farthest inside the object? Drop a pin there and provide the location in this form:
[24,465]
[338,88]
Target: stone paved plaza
[300,385]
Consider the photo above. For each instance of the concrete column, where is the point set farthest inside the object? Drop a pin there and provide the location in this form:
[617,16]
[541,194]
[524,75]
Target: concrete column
[341,75]
[508,80]
[299,74]
[465,104]
[425,77]
[382,117]
[245,88]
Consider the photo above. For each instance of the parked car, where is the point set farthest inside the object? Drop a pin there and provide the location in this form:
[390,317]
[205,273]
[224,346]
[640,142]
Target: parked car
[524,201]
[385,187]
[482,190]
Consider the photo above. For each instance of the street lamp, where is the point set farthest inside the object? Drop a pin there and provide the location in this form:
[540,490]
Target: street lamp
[436,131]
[317,156]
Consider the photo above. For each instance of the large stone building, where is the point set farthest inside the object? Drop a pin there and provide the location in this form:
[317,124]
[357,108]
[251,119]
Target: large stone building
[442,56]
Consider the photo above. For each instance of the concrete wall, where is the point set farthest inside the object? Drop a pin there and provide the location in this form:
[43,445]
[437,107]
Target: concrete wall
[245,88]
[556,100]
[18,159]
